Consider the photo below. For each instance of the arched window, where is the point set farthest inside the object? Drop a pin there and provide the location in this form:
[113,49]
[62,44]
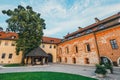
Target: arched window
[60,50]
[67,50]
[118,61]
[65,60]
[88,49]
[86,61]
[59,59]
[76,49]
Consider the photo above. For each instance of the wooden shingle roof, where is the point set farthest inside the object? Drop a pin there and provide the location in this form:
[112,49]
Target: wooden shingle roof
[37,52]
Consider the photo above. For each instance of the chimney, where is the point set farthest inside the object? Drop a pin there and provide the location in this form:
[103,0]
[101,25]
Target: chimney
[97,20]
[79,28]
[118,13]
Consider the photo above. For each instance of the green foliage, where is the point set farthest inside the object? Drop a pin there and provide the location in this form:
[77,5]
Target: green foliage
[100,69]
[42,76]
[13,65]
[29,26]
[108,66]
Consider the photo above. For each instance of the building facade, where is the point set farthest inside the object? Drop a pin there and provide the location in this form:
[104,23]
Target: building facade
[49,45]
[92,44]
[8,49]
[98,42]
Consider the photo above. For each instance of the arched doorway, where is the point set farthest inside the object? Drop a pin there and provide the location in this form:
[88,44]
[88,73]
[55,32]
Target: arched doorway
[50,58]
[86,61]
[118,61]
[59,59]
[74,60]
[65,60]
[105,60]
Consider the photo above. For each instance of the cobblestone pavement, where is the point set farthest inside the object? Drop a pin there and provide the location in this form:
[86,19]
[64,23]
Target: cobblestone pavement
[74,69]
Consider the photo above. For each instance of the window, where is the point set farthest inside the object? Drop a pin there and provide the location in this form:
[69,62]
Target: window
[10,56]
[13,44]
[0,42]
[77,35]
[67,50]
[119,20]
[74,60]
[114,44]
[101,27]
[88,47]
[13,37]
[59,59]
[50,46]
[65,60]
[54,47]
[76,49]
[43,46]
[89,31]
[86,61]
[51,41]
[60,51]
[6,43]
[3,56]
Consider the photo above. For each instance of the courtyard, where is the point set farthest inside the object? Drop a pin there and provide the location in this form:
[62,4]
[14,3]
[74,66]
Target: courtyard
[64,68]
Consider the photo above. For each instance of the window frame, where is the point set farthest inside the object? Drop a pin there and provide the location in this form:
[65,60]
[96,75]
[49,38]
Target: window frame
[43,46]
[113,44]
[50,46]
[10,56]
[13,44]
[87,46]
[0,42]
[3,55]
[60,50]
[6,43]
[76,48]
[67,50]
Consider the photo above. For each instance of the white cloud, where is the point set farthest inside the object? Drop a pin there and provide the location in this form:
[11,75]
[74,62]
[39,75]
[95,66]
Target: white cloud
[60,19]
[85,18]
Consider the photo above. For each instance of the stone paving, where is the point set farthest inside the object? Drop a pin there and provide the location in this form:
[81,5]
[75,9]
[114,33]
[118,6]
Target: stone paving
[74,69]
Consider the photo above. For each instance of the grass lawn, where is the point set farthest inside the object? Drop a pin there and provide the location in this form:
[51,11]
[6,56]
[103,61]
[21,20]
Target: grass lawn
[42,76]
[12,65]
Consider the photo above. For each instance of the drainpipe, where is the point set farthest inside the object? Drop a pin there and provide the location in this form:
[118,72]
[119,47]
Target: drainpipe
[97,47]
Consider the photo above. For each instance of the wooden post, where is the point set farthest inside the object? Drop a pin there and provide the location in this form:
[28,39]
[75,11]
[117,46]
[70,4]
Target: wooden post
[27,60]
[32,60]
[41,60]
[46,60]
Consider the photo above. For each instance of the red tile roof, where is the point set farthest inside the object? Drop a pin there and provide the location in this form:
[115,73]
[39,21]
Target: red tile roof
[8,35]
[12,36]
[94,25]
[51,40]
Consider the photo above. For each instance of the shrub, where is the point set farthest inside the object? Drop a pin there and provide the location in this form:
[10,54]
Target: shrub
[100,69]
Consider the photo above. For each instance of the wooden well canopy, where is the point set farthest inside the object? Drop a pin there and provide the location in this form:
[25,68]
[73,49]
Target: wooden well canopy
[37,55]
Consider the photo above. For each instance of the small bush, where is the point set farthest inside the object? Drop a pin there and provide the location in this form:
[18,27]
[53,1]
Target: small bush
[100,69]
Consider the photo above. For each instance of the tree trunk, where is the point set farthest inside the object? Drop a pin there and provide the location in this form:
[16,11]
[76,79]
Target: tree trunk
[23,59]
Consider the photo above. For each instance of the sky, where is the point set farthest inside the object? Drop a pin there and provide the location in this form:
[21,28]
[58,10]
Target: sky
[64,16]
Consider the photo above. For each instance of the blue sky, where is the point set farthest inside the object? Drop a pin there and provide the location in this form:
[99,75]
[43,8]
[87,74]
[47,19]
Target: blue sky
[63,16]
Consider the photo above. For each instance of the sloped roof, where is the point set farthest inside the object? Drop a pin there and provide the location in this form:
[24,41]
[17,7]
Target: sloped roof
[8,35]
[12,36]
[50,40]
[94,24]
[37,52]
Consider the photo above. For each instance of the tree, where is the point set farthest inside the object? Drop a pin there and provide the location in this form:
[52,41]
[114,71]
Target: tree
[29,26]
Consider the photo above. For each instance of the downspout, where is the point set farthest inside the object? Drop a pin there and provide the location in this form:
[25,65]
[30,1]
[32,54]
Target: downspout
[97,47]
